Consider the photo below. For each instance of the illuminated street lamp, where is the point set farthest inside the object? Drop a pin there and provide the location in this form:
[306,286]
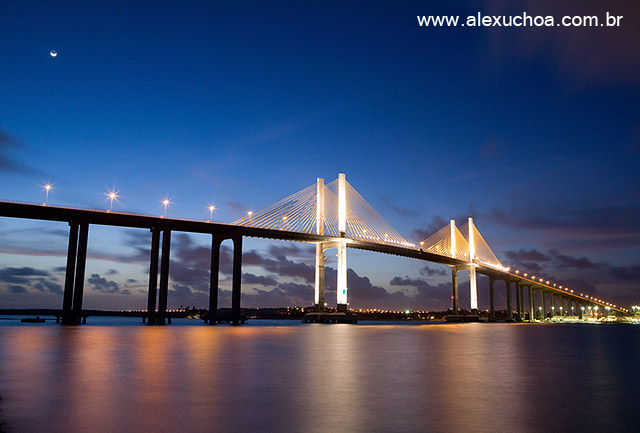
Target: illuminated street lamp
[48,187]
[111,196]
[211,209]
[166,202]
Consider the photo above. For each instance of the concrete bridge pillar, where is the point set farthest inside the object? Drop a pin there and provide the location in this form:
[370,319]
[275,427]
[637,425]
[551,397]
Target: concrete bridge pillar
[532,304]
[67,301]
[454,291]
[163,296]
[543,305]
[236,282]
[319,299]
[74,278]
[213,279]
[473,281]
[153,276]
[492,310]
[341,289]
[509,303]
[518,301]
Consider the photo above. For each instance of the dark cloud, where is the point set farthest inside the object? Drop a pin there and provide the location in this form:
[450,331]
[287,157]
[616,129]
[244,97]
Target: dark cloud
[628,273]
[293,250]
[20,275]
[406,281]
[17,289]
[535,261]
[44,285]
[258,279]
[103,285]
[111,272]
[427,271]
[131,280]
[280,265]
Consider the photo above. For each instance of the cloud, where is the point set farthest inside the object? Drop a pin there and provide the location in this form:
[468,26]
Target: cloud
[21,280]
[20,275]
[427,271]
[103,285]
[258,279]
[280,265]
[44,285]
[627,273]
[17,289]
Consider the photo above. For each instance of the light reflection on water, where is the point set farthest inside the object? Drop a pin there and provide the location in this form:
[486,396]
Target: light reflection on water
[339,378]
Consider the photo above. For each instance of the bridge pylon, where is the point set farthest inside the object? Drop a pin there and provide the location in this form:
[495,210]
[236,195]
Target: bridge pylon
[340,244]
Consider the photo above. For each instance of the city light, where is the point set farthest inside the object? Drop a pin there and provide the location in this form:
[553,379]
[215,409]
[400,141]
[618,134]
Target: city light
[211,209]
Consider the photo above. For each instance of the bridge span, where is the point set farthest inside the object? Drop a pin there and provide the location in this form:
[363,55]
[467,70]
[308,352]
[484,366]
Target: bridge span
[447,247]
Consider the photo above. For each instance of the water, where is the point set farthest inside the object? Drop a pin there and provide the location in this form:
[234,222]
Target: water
[284,377]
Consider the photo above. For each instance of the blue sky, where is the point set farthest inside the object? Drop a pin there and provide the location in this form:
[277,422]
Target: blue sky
[534,132]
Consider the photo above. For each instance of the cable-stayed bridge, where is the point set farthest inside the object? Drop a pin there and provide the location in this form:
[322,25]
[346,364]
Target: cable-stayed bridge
[332,216]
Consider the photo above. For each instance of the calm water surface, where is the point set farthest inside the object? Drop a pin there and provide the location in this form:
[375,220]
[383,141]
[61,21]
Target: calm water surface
[281,377]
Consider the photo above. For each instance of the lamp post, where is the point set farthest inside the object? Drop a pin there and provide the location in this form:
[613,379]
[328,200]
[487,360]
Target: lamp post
[47,188]
[211,209]
[112,195]
[165,203]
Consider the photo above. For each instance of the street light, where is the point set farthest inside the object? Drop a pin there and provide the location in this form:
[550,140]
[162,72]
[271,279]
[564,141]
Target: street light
[48,187]
[166,202]
[111,196]
[211,209]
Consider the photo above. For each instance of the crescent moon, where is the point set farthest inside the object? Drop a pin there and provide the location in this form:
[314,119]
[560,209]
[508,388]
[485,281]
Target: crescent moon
[53,53]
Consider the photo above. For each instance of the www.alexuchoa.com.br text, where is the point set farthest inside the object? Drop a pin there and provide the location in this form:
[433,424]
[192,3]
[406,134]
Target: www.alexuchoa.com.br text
[524,20]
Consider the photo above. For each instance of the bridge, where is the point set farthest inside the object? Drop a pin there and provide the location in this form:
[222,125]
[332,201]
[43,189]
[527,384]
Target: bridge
[331,216]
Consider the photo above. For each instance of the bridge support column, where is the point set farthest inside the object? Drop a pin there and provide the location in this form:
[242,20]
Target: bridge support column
[473,290]
[236,283]
[213,279]
[75,316]
[473,281]
[492,310]
[319,283]
[153,276]
[67,301]
[543,305]
[518,302]
[342,276]
[509,303]
[521,289]
[454,291]
[341,289]
[164,277]
[532,305]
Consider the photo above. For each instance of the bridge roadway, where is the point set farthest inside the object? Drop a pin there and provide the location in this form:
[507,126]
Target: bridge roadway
[80,219]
